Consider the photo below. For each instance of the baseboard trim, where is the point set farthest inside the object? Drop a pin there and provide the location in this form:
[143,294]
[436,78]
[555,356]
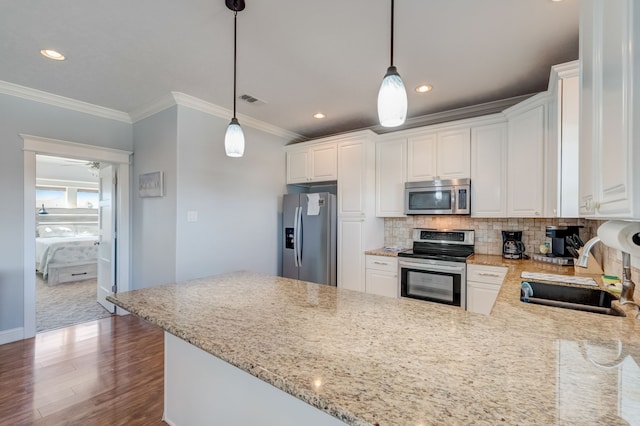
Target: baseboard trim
[13,335]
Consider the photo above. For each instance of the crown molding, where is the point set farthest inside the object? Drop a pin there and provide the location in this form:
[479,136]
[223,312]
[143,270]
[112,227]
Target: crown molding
[153,107]
[472,111]
[63,102]
[198,104]
[182,99]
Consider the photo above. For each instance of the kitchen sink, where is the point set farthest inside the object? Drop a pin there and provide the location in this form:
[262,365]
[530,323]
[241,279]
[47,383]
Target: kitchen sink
[568,297]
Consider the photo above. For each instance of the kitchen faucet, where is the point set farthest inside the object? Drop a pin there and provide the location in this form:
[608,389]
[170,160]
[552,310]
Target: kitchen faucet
[628,286]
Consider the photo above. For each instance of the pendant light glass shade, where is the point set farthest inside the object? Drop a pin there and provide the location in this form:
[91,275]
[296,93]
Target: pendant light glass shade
[234,139]
[392,100]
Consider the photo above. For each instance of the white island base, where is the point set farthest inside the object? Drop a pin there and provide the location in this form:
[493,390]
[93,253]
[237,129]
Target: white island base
[201,389]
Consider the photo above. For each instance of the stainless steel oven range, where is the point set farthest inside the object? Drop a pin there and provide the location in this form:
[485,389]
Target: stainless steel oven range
[436,269]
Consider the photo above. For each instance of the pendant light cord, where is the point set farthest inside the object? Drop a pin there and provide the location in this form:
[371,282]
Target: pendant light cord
[235,58]
[392,9]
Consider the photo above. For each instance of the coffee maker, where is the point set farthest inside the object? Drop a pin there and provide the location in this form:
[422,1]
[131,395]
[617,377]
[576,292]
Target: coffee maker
[565,242]
[512,245]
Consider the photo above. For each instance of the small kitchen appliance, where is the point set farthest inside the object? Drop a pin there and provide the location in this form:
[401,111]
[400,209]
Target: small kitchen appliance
[565,241]
[438,197]
[436,269]
[512,245]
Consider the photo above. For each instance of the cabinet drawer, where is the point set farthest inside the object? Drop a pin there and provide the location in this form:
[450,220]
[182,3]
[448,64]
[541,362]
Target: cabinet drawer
[68,273]
[486,274]
[382,263]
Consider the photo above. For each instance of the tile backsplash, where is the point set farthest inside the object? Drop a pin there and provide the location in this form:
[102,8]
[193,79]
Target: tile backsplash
[488,232]
[488,235]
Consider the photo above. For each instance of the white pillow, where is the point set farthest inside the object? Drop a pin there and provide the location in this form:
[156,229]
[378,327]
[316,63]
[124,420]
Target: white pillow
[86,230]
[47,231]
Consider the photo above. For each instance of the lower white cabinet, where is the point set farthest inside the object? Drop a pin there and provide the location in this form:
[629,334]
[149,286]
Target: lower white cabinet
[382,275]
[483,286]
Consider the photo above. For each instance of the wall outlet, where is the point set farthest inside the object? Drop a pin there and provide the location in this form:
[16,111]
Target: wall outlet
[192,216]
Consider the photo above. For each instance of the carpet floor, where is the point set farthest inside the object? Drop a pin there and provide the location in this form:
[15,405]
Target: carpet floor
[66,304]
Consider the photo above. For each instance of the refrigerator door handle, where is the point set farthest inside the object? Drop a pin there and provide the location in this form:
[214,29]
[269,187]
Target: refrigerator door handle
[295,237]
[298,243]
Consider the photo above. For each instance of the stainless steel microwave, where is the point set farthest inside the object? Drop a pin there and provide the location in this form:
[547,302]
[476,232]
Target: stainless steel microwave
[438,197]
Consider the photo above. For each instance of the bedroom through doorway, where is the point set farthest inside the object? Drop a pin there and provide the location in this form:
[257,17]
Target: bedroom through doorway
[67,218]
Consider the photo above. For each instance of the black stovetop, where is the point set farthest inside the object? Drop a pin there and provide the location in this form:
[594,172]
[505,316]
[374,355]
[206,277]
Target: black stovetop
[445,252]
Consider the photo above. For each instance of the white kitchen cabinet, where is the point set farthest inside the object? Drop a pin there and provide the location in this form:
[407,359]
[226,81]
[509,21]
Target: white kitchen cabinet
[489,170]
[312,163]
[561,158]
[609,31]
[483,286]
[351,259]
[391,174]
[356,175]
[382,275]
[422,154]
[439,155]
[525,157]
[359,229]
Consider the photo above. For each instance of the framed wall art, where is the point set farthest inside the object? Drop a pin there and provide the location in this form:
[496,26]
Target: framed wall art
[151,185]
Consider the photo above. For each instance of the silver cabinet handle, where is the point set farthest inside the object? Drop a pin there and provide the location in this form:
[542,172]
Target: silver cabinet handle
[380,263]
[486,274]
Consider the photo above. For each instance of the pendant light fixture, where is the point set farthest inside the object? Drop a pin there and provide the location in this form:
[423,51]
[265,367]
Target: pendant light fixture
[234,137]
[392,97]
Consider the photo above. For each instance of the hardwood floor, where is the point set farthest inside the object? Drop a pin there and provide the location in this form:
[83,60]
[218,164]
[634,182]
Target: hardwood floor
[105,372]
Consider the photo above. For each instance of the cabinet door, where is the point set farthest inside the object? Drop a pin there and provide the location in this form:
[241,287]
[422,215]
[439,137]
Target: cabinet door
[481,297]
[351,175]
[587,108]
[615,143]
[382,283]
[525,163]
[351,254]
[297,166]
[391,173]
[324,163]
[489,171]
[454,154]
[422,157]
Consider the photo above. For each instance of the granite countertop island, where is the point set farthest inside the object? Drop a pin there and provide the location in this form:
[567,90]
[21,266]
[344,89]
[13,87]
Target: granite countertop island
[368,359]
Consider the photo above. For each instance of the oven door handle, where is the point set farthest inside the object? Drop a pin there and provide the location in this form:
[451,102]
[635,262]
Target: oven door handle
[430,267]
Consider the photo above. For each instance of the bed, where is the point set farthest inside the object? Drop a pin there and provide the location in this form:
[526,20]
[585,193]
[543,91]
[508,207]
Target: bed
[66,253]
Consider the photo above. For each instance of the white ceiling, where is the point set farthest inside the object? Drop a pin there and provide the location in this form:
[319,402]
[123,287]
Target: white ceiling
[300,57]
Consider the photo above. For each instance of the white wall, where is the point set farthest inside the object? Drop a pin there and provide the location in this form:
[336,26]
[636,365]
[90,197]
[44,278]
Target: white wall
[23,116]
[153,229]
[238,200]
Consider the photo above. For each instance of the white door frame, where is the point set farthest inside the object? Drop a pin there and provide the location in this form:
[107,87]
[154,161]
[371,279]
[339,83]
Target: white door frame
[33,145]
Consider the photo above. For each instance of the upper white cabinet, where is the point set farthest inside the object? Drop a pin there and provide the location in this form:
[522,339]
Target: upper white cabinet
[609,31]
[489,170]
[439,155]
[312,163]
[391,174]
[356,176]
[525,157]
[562,153]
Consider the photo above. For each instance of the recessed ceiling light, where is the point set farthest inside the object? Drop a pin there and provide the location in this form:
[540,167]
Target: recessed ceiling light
[424,88]
[319,115]
[52,54]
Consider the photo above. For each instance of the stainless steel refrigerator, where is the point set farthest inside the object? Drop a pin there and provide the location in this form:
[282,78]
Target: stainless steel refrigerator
[310,228]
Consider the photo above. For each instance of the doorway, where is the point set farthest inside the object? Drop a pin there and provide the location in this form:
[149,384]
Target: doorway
[68,212]
[120,161]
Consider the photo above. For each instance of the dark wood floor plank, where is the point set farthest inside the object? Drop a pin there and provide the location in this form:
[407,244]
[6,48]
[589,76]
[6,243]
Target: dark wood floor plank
[108,371]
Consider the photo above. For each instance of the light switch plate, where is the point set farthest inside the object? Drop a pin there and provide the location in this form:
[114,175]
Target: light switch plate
[192,216]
